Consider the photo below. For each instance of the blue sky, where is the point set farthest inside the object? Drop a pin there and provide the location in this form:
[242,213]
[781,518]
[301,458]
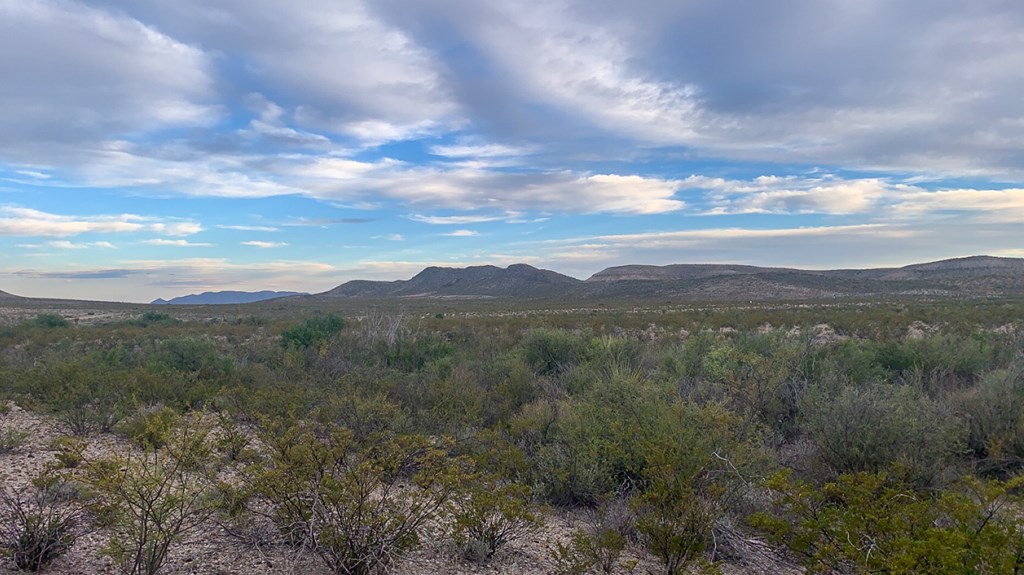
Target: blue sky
[152,149]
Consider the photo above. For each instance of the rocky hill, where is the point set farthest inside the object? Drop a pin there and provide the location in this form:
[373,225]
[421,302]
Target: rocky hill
[977,276]
[518,280]
[225,297]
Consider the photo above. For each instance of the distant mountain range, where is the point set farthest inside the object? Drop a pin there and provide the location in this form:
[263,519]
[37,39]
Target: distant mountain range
[225,297]
[970,277]
[976,276]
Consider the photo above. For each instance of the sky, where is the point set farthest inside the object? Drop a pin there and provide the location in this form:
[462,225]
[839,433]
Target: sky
[154,149]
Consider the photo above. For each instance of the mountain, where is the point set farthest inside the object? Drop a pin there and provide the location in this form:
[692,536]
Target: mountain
[225,297]
[518,280]
[675,272]
[976,276]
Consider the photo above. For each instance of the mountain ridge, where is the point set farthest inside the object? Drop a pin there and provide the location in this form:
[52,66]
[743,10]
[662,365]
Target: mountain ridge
[971,276]
[225,297]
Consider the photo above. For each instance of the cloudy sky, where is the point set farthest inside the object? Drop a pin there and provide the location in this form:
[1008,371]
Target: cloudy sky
[153,149]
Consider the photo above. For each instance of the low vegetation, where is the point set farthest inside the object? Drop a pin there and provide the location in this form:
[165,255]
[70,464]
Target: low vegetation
[856,438]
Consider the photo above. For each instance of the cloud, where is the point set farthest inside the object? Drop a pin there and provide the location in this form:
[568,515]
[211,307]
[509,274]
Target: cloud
[243,228]
[67,245]
[264,245]
[324,222]
[472,188]
[390,237]
[477,150]
[452,220]
[462,233]
[792,194]
[100,274]
[109,74]
[839,84]
[21,221]
[332,66]
[175,243]
[1006,205]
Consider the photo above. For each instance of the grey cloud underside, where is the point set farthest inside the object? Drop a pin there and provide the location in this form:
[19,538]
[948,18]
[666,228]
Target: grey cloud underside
[916,86]
[911,85]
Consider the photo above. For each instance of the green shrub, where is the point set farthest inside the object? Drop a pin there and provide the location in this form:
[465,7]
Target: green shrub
[994,411]
[674,521]
[152,501]
[35,527]
[151,427]
[153,318]
[357,507]
[69,451]
[312,332]
[572,558]
[883,427]
[491,515]
[871,523]
[49,321]
[553,352]
[12,439]
[195,355]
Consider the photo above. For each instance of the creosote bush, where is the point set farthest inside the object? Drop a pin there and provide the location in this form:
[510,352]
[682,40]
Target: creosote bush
[873,523]
[489,515]
[152,500]
[360,507]
[36,526]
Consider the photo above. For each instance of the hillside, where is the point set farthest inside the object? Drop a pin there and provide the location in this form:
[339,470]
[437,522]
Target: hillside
[976,276]
[225,297]
[518,280]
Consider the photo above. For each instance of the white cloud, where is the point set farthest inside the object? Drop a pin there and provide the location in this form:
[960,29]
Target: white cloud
[264,245]
[452,220]
[462,233]
[244,228]
[1006,205]
[176,228]
[792,194]
[389,237]
[175,243]
[68,245]
[20,221]
[478,149]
